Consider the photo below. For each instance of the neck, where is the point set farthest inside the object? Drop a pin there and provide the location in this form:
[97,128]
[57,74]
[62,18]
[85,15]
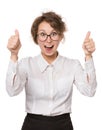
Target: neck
[50,59]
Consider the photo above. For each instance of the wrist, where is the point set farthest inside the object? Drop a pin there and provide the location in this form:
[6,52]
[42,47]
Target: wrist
[88,57]
[14,57]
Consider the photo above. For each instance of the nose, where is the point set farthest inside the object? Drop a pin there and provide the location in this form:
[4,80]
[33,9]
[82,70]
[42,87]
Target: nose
[49,38]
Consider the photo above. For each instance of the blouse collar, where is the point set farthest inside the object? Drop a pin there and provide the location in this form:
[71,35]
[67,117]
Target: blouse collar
[43,64]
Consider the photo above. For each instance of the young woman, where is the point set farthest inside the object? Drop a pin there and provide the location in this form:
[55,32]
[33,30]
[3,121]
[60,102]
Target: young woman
[48,78]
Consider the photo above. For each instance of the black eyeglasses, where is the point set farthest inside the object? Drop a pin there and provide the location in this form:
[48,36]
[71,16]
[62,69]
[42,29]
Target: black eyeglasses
[42,36]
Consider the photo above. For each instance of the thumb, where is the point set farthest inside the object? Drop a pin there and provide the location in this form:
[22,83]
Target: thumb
[87,36]
[17,32]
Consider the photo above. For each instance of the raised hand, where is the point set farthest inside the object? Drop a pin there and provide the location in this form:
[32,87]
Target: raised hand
[14,45]
[88,45]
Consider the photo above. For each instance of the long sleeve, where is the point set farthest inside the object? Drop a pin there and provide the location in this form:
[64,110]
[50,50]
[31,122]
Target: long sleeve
[15,78]
[85,79]
[49,87]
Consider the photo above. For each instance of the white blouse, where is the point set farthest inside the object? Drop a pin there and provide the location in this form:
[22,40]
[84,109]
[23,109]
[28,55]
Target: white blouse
[49,87]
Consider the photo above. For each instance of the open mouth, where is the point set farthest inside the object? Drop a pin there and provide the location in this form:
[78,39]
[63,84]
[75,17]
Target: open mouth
[49,47]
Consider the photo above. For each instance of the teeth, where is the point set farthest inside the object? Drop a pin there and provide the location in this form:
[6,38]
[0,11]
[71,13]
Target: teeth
[49,46]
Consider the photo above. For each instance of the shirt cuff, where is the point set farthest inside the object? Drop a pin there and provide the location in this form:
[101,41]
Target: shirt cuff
[12,66]
[89,65]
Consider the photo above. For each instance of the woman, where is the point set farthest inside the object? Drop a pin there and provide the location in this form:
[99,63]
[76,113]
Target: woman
[49,77]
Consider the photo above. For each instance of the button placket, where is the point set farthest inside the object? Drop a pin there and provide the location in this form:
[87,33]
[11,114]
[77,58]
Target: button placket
[51,84]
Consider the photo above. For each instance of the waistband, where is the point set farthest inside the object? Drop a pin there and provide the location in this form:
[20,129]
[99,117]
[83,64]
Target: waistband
[52,118]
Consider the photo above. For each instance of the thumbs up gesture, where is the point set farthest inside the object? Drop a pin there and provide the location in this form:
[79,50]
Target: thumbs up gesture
[88,45]
[14,44]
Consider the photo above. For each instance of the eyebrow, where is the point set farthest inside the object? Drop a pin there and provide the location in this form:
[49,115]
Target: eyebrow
[45,31]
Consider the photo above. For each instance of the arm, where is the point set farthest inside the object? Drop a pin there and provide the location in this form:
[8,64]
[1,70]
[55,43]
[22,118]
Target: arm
[88,47]
[85,79]
[15,77]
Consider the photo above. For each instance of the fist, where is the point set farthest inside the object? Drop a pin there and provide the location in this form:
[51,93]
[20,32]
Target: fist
[88,45]
[14,43]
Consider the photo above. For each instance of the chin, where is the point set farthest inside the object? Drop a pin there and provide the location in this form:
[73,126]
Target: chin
[49,54]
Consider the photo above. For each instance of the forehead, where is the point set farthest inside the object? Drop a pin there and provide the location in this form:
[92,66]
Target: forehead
[45,26]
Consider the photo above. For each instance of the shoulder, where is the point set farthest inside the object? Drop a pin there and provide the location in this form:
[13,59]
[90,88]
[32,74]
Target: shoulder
[71,61]
[69,64]
[27,60]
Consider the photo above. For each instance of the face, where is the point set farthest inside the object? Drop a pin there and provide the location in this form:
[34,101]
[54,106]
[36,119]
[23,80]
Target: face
[48,39]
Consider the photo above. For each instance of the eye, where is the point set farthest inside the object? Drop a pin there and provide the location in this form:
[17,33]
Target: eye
[54,34]
[42,34]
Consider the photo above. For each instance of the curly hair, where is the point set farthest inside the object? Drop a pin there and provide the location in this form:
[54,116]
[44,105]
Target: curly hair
[53,19]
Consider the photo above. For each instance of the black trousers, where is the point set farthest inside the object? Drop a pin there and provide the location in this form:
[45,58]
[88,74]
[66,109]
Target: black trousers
[39,122]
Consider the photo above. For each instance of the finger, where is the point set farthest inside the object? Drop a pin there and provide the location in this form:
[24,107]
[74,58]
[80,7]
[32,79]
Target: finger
[91,49]
[87,36]
[17,32]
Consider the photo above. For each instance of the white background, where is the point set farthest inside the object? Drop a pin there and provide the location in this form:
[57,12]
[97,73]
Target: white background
[80,16]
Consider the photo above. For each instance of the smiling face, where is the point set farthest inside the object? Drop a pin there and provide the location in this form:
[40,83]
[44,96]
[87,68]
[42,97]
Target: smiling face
[50,44]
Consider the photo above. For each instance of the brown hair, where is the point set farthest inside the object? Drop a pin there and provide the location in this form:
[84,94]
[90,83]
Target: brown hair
[53,19]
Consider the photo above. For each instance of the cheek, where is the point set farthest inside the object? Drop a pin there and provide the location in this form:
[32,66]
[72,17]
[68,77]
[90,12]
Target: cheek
[41,45]
[39,42]
[56,44]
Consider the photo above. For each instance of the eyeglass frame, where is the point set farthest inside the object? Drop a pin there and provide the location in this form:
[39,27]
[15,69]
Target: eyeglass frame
[48,36]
